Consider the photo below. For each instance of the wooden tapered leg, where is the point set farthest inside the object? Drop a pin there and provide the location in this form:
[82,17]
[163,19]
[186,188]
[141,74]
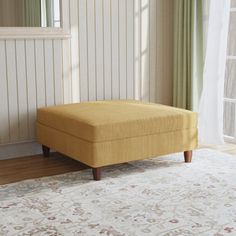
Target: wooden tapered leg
[97,173]
[188,156]
[46,151]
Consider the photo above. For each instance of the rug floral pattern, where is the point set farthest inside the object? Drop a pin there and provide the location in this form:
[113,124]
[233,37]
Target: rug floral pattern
[160,196]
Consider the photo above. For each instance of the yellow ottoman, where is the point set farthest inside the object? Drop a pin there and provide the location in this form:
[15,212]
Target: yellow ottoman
[109,132]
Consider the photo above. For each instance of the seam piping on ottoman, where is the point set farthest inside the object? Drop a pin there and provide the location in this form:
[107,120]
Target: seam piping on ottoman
[113,140]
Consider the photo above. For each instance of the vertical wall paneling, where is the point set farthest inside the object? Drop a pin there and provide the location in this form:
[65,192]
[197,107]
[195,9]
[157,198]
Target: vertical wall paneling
[74,18]
[31,76]
[4,106]
[122,62]
[12,90]
[40,73]
[145,79]
[58,80]
[92,73]
[159,62]
[167,50]
[107,44]
[49,72]
[115,49]
[67,71]
[123,48]
[130,48]
[22,86]
[153,49]
[99,49]
[83,55]
[118,49]
[31,88]
[164,54]
[137,51]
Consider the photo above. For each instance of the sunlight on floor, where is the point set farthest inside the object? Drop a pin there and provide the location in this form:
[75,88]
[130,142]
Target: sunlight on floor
[229,148]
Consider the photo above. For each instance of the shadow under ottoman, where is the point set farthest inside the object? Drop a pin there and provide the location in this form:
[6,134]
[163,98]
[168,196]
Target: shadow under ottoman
[110,132]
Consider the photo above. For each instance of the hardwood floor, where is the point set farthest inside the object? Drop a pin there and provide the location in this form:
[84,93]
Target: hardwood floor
[14,170]
[17,169]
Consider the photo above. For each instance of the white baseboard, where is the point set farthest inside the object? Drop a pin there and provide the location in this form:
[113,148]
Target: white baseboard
[19,150]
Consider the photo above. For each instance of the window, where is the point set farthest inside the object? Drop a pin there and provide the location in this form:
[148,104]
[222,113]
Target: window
[53,21]
[50,13]
[230,80]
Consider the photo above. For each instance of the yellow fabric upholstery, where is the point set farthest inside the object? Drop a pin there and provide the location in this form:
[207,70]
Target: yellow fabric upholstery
[110,132]
[110,120]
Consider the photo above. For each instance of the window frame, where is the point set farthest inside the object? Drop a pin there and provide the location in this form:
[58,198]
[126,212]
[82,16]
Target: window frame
[41,32]
[227,138]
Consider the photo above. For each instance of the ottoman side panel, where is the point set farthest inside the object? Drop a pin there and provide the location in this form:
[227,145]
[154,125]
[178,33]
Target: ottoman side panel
[137,148]
[62,142]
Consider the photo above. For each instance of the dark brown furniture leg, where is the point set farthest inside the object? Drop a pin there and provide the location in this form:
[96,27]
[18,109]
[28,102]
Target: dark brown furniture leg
[46,151]
[188,156]
[97,173]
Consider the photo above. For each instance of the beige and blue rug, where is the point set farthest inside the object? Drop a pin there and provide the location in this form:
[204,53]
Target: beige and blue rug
[162,196]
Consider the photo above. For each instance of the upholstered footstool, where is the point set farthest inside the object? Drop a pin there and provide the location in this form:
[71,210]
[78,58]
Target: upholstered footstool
[110,132]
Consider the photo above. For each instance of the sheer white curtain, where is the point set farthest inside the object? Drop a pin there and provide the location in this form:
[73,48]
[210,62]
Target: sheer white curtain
[211,104]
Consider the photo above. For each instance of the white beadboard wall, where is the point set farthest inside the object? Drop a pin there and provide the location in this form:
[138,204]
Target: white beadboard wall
[119,49]
[31,76]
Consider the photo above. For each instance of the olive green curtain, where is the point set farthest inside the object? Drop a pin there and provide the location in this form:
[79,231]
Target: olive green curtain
[32,13]
[188,53]
[49,13]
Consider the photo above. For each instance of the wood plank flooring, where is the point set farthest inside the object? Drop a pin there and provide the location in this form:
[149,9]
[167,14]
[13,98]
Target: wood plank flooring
[14,170]
[17,169]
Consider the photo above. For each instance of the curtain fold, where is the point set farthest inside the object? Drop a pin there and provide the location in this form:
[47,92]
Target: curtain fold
[188,53]
[32,13]
[211,104]
[47,13]
[50,13]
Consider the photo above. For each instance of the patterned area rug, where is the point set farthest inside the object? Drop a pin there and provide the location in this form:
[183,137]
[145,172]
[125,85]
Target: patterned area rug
[160,196]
